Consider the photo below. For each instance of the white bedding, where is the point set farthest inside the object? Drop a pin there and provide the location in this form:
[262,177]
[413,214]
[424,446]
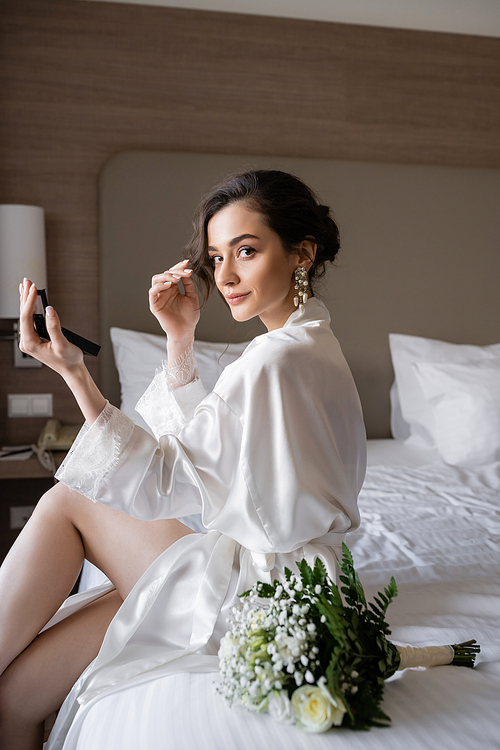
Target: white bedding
[437,530]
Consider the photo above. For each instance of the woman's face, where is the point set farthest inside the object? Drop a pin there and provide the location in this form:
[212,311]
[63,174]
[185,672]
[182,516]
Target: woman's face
[252,269]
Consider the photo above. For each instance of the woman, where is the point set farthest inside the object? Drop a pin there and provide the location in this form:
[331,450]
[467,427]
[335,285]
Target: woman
[273,459]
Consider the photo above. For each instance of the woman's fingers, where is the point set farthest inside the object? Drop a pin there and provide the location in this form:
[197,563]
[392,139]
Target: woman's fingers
[28,335]
[160,289]
[180,266]
[53,326]
[168,281]
[189,286]
[173,275]
[24,290]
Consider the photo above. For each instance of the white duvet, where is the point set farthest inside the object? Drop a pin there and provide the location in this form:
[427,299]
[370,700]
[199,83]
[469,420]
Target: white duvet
[437,530]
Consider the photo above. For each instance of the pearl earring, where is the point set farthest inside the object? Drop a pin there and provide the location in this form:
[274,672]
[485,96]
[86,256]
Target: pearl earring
[301,284]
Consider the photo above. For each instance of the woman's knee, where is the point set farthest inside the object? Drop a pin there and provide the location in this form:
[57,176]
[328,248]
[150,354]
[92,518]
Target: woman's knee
[59,501]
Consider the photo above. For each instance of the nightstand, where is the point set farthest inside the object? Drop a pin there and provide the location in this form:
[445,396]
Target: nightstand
[22,483]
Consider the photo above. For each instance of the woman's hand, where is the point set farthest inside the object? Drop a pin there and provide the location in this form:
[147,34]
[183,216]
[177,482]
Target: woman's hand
[177,313]
[58,353]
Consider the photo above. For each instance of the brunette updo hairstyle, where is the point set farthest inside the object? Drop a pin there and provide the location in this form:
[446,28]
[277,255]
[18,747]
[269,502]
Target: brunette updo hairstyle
[287,206]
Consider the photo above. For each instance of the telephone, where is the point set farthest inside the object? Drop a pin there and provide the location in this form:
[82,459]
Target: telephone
[54,437]
[57,437]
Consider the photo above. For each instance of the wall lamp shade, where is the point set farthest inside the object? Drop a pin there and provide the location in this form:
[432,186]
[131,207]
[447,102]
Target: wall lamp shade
[22,253]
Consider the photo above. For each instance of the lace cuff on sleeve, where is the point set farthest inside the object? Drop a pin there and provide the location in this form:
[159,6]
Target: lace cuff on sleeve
[181,370]
[167,410]
[96,452]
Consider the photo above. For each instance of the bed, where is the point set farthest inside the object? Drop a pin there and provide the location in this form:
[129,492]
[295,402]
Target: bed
[433,524]
[430,505]
[436,528]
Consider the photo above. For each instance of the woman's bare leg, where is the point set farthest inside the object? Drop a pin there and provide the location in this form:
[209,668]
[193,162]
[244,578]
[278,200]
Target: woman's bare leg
[36,683]
[35,578]
[40,571]
[43,564]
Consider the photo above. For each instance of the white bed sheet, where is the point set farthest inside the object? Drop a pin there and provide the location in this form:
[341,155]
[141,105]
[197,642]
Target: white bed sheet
[437,530]
[398,453]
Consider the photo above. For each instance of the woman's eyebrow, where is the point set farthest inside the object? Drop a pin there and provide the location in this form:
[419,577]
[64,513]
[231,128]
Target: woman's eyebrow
[234,241]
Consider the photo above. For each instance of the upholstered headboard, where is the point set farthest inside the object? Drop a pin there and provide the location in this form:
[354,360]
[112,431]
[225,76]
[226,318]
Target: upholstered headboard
[420,254]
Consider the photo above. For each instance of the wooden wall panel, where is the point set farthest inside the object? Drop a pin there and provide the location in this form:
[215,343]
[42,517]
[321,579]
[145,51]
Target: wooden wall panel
[81,81]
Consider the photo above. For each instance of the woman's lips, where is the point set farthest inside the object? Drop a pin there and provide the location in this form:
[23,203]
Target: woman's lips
[234,299]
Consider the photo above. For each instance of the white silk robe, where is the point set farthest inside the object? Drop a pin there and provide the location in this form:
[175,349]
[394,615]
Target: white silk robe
[273,459]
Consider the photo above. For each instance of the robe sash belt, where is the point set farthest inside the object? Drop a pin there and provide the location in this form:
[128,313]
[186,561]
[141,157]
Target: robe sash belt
[265,562]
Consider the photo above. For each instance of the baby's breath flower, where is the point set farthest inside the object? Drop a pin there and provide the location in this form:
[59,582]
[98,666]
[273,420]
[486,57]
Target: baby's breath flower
[253,689]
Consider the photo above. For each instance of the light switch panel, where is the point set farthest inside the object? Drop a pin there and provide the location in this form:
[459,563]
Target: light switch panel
[29,405]
[18,405]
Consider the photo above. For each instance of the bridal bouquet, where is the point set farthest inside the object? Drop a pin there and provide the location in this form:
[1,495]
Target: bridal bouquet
[301,652]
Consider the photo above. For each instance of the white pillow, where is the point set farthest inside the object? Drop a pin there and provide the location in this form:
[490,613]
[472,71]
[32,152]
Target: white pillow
[465,401]
[138,355]
[400,429]
[415,409]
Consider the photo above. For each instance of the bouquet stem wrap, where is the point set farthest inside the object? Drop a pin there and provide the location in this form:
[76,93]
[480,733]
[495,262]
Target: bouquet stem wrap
[430,656]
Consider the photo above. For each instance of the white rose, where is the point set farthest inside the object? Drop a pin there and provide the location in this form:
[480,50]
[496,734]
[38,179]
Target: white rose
[257,618]
[280,707]
[315,709]
[288,647]
[228,647]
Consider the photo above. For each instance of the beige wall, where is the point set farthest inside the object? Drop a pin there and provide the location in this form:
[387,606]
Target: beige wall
[82,81]
[420,253]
